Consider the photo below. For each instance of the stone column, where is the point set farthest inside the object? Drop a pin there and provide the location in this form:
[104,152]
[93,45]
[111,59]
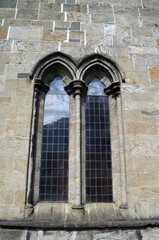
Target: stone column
[40,89]
[78,89]
[114,91]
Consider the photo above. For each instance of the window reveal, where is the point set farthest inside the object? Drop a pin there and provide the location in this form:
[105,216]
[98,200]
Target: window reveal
[55,144]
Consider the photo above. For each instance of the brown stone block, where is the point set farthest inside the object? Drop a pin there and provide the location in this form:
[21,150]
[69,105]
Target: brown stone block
[3,32]
[143,179]
[5,101]
[49,46]
[142,165]
[154,73]
[6,163]
[9,57]
[47,7]
[141,128]
[75,8]
[59,36]
[6,197]
[149,192]
[76,35]
[19,196]
[78,17]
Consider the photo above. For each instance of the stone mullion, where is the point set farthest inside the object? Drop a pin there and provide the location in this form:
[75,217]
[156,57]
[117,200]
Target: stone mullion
[78,89]
[78,163]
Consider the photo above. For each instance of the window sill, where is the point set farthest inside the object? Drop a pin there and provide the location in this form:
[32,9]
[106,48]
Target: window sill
[65,214]
[52,225]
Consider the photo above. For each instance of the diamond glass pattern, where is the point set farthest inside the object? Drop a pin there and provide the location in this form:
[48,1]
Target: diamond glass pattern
[55,144]
[98,145]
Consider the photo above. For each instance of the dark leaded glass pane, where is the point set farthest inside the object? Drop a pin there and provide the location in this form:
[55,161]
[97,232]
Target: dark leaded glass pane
[55,142]
[98,148]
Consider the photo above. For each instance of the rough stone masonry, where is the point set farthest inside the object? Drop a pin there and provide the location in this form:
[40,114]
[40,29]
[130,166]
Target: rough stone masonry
[127,33]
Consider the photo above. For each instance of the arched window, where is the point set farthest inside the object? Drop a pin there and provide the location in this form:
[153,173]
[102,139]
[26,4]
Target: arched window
[98,144]
[77,149]
[55,144]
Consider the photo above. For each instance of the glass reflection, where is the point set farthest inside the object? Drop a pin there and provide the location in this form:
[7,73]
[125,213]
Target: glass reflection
[56,102]
[55,142]
[96,87]
[98,148]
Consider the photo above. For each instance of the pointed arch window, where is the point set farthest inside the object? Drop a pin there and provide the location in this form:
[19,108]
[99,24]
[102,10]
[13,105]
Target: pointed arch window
[98,144]
[74,152]
[55,144]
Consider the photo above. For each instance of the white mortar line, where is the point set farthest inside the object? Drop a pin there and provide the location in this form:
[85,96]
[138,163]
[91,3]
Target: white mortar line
[62,7]
[53,26]
[8,32]
[85,39]
[87,8]
[2,22]
[65,17]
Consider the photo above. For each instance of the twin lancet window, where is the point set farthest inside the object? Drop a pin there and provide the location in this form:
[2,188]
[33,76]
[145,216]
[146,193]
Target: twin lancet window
[86,168]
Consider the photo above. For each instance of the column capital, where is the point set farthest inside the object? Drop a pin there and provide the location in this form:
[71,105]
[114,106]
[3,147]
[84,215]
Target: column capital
[40,85]
[113,90]
[77,87]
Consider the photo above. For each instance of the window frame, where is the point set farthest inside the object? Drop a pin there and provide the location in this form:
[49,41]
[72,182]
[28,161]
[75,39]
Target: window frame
[76,77]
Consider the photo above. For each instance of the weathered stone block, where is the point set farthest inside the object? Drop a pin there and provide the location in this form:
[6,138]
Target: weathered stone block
[8,3]
[18,33]
[140,32]
[43,24]
[97,18]
[49,46]
[27,14]
[154,73]
[28,5]
[49,16]
[17,23]
[100,9]
[78,17]
[7,234]
[7,13]
[149,22]
[116,30]
[45,7]
[141,128]
[3,32]
[75,8]
[5,45]
[7,197]
[58,36]
[35,34]
[26,46]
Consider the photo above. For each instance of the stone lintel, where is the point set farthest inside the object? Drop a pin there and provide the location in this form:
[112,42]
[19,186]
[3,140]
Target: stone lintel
[113,90]
[77,87]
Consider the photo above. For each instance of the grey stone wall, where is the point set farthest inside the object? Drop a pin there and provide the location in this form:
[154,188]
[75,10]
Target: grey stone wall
[145,234]
[125,31]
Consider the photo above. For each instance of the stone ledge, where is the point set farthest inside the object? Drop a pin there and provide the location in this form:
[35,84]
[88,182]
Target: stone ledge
[48,225]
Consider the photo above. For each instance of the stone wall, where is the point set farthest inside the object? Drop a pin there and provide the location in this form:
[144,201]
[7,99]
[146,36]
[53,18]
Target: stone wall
[125,31]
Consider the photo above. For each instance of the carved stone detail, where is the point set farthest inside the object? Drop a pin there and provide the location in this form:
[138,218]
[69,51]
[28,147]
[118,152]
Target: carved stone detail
[113,90]
[40,85]
[77,87]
